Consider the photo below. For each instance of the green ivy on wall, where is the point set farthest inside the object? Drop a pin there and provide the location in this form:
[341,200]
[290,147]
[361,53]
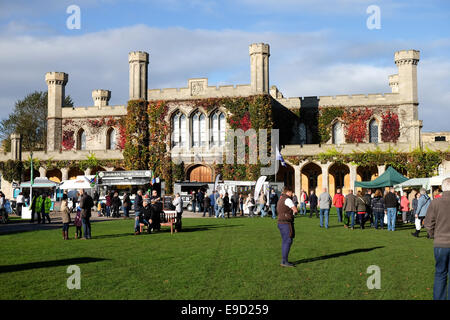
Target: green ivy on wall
[136,153]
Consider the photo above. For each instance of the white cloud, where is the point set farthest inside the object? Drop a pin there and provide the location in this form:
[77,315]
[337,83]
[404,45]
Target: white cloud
[302,64]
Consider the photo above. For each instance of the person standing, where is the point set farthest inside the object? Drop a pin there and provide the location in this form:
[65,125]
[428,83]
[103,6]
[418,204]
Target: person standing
[220,204]
[226,204]
[138,205]
[391,204]
[404,207]
[200,197]
[126,204]
[361,209]
[368,200]
[178,203]
[324,206]
[86,204]
[207,206]
[34,210]
[19,203]
[422,207]
[303,199]
[241,204]
[338,202]
[411,197]
[96,198]
[295,200]
[313,204]
[65,219]
[262,204]
[250,203]
[212,200]
[108,204]
[437,222]
[194,201]
[273,200]
[286,210]
[116,203]
[350,209]
[78,223]
[377,206]
[45,208]
[415,202]
[234,203]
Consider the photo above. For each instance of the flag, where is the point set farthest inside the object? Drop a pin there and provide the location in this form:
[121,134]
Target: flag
[93,181]
[280,157]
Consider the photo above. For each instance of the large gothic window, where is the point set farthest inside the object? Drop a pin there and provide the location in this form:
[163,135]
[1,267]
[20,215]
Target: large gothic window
[179,130]
[111,139]
[373,131]
[302,133]
[81,140]
[338,133]
[218,127]
[199,130]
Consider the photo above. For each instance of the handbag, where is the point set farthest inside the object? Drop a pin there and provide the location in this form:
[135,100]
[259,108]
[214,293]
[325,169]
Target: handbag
[385,219]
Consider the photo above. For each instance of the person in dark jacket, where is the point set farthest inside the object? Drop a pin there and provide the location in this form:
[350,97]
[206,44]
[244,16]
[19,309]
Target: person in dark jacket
[226,204]
[377,206]
[361,208]
[414,204]
[391,204]
[108,204]
[234,204]
[313,204]
[138,205]
[200,196]
[350,209]
[368,200]
[116,203]
[273,200]
[86,204]
[241,204]
[126,205]
[207,206]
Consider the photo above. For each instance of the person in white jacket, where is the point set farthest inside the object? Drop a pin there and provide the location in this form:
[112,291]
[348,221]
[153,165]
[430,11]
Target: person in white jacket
[178,203]
[250,203]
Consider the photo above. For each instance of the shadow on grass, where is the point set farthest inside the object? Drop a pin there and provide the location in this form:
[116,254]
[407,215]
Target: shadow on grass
[335,255]
[206,227]
[47,264]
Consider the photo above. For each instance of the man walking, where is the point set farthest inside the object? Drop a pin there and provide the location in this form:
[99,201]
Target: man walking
[286,210]
[391,204]
[220,204]
[437,222]
[313,204]
[194,201]
[212,200]
[138,205]
[46,205]
[273,200]
[422,207]
[234,203]
[338,202]
[86,204]
[350,209]
[324,206]
[206,205]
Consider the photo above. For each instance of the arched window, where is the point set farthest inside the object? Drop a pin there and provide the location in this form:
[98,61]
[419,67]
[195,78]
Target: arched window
[338,134]
[81,140]
[199,130]
[218,127]
[111,139]
[179,130]
[373,131]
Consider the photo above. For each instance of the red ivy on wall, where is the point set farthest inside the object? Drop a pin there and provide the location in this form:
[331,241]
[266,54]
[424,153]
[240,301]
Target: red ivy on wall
[243,123]
[122,135]
[356,124]
[68,140]
[390,127]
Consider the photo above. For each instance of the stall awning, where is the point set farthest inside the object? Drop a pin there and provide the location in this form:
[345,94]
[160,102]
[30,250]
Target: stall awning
[81,182]
[389,178]
[40,183]
[415,182]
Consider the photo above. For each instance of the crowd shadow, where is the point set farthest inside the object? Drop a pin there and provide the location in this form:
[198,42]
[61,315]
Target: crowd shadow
[48,264]
[335,255]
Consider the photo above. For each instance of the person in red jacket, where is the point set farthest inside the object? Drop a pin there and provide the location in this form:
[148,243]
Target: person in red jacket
[338,202]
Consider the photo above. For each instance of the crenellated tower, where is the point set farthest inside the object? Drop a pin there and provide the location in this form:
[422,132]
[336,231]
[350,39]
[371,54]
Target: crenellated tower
[259,67]
[138,62]
[56,83]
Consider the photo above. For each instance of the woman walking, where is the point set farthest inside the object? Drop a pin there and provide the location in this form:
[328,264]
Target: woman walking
[65,219]
[361,209]
[250,203]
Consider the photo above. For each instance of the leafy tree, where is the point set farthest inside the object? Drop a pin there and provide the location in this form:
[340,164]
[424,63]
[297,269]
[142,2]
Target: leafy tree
[29,118]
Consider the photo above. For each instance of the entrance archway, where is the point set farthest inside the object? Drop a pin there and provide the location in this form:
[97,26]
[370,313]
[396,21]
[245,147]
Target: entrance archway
[200,173]
[74,172]
[311,177]
[286,175]
[54,175]
[338,177]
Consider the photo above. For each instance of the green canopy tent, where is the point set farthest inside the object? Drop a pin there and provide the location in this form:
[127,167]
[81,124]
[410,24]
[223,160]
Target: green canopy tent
[389,178]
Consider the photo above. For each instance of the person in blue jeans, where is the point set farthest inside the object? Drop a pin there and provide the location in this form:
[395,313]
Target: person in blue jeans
[324,205]
[273,199]
[350,209]
[391,204]
[437,223]
[303,199]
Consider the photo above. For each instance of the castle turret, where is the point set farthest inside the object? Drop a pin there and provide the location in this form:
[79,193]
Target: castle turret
[138,61]
[406,61]
[393,83]
[101,97]
[56,82]
[259,67]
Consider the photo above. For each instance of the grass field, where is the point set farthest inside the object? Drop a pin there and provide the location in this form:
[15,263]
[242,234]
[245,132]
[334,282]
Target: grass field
[217,259]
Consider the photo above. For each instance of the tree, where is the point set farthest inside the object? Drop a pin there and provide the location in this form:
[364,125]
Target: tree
[29,118]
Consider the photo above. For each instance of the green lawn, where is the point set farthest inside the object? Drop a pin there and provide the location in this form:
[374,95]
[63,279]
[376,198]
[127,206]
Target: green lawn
[217,259]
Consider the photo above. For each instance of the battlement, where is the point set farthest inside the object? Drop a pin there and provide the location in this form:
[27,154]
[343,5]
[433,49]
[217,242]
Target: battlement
[139,56]
[94,111]
[60,78]
[198,88]
[407,56]
[101,97]
[261,48]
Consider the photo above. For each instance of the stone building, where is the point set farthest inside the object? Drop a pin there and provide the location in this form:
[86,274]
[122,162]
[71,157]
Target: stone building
[75,134]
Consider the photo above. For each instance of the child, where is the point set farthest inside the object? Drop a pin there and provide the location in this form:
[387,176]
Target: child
[65,219]
[77,222]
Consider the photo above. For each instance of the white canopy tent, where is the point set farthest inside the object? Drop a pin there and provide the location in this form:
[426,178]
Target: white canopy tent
[437,180]
[81,182]
[413,183]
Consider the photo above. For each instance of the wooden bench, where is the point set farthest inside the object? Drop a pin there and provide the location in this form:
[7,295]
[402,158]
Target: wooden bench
[167,218]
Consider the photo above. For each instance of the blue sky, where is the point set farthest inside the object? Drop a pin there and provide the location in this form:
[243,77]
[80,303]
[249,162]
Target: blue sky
[318,47]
